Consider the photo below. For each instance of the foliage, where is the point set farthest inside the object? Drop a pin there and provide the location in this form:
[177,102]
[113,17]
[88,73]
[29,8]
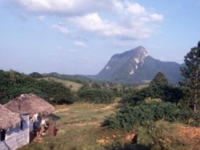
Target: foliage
[159,79]
[13,84]
[191,73]
[75,78]
[57,92]
[127,98]
[95,85]
[127,117]
[35,75]
[160,136]
[164,92]
[95,95]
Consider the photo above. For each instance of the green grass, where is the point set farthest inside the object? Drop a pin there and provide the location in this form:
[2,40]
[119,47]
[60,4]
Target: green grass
[84,113]
[79,128]
[74,86]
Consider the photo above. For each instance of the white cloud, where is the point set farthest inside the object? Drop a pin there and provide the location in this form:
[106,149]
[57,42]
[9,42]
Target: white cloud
[121,19]
[78,43]
[61,28]
[41,18]
[65,7]
[59,48]
[93,23]
[156,17]
[134,8]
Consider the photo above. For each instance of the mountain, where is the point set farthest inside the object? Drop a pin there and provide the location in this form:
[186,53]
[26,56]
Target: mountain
[137,67]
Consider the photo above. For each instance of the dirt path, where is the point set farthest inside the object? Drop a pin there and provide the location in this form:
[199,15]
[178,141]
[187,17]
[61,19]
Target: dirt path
[60,110]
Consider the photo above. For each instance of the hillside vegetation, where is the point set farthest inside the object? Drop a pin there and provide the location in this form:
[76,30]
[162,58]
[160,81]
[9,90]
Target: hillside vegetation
[12,84]
[79,128]
[69,84]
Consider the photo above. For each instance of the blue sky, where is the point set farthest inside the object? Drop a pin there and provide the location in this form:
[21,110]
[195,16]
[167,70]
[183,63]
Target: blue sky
[80,36]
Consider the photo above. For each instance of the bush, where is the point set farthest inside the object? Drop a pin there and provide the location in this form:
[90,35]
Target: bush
[165,92]
[150,110]
[95,95]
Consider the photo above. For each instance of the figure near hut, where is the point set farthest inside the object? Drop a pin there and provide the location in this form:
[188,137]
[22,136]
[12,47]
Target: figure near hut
[39,124]
[43,126]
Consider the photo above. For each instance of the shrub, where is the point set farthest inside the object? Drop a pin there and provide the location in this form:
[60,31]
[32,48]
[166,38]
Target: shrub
[95,95]
[152,110]
[165,92]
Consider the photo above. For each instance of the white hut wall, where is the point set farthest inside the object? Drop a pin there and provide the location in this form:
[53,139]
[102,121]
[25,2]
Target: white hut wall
[18,136]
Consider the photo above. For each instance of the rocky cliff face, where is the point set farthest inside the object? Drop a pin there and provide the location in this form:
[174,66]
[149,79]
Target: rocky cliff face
[124,64]
[136,66]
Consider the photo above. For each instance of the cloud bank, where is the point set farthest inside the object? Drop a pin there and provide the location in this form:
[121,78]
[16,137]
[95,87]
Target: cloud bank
[119,19]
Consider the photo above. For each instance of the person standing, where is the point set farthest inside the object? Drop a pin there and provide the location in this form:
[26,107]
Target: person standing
[43,126]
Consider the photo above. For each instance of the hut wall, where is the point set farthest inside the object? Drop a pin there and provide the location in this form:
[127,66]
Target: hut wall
[16,137]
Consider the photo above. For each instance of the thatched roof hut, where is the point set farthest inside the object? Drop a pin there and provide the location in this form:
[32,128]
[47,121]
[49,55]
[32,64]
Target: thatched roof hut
[29,103]
[8,118]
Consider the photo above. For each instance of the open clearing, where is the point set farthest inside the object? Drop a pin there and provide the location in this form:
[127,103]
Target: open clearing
[78,128]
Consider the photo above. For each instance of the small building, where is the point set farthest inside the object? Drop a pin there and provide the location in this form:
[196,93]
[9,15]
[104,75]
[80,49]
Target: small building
[26,107]
[14,133]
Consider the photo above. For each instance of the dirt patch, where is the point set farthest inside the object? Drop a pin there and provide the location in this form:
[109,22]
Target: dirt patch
[102,141]
[38,139]
[190,135]
[132,138]
[61,110]
[111,106]
[83,124]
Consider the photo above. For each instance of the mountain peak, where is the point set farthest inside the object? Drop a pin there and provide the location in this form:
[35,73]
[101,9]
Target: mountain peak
[134,65]
[140,53]
[140,50]
[126,62]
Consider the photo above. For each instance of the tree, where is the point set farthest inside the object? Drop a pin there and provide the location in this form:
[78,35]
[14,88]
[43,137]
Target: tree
[95,85]
[35,75]
[159,79]
[191,73]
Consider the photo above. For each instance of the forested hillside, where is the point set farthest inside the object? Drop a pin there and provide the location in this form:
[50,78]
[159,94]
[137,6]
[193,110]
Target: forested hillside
[12,84]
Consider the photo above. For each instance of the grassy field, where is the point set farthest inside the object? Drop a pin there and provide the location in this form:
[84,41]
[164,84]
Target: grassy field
[74,86]
[79,128]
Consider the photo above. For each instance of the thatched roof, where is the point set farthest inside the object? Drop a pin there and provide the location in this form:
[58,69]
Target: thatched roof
[8,118]
[29,103]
